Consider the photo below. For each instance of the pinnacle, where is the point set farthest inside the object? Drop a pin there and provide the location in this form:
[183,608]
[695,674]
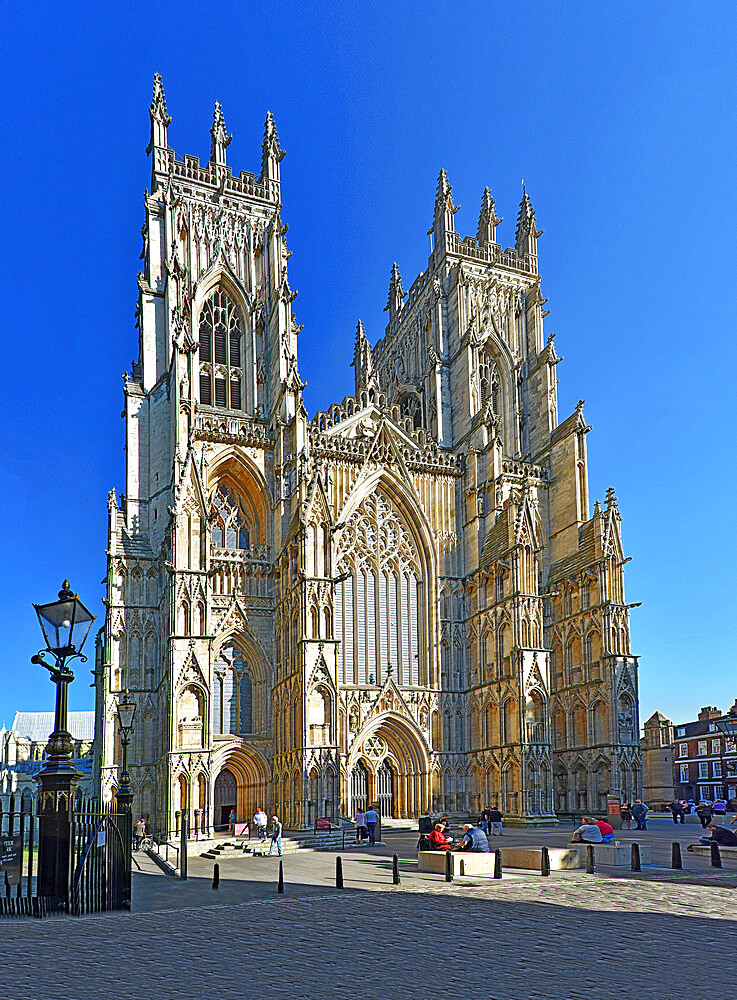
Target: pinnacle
[270,144]
[218,130]
[158,108]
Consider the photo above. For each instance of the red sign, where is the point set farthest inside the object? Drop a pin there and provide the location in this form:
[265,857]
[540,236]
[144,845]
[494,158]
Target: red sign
[322,823]
[614,809]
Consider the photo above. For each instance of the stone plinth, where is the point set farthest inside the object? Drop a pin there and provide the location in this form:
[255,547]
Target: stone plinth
[462,862]
[610,854]
[530,858]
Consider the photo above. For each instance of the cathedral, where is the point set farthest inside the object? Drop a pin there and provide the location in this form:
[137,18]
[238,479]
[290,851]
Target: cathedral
[404,599]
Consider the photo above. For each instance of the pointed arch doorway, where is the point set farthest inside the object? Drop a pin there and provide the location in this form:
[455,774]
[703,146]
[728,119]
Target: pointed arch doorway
[385,788]
[226,796]
[391,768]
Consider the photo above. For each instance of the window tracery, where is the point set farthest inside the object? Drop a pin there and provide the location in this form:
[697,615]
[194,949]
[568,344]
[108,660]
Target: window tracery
[231,527]
[221,362]
[377,605]
[232,694]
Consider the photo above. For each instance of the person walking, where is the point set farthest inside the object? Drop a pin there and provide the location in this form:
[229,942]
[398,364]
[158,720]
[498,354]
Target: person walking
[676,811]
[260,821]
[372,818]
[639,813]
[495,820]
[360,825]
[705,813]
[276,829]
[139,832]
[485,820]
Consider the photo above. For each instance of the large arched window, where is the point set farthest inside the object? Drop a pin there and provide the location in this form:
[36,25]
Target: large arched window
[221,361]
[377,607]
[231,527]
[232,702]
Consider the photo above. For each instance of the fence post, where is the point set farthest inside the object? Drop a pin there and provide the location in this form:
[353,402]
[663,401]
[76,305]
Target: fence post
[590,860]
[716,858]
[395,870]
[280,883]
[339,872]
[635,859]
[216,876]
[448,867]
[545,861]
[183,848]
[675,856]
[498,863]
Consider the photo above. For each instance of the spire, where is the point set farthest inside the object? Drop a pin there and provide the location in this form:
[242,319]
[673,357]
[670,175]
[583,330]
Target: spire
[220,140]
[527,231]
[363,361]
[160,117]
[488,221]
[444,210]
[396,293]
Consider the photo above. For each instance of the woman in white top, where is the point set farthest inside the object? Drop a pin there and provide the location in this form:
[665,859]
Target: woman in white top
[360,826]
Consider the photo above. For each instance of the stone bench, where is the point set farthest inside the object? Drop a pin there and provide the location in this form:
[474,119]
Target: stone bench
[611,854]
[473,863]
[727,854]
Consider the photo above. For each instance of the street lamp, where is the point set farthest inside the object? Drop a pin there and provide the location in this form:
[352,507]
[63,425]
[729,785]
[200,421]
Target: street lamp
[65,625]
[126,713]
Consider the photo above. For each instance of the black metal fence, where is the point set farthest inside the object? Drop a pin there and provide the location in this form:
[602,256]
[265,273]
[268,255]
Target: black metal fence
[99,862]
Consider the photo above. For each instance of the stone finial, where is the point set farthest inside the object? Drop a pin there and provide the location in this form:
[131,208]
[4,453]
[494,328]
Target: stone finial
[271,153]
[160,117]
[444,209]
[363,362]
[597,509]
[488,221]
[396,293]
[219,138]
[527,231]
[611,499]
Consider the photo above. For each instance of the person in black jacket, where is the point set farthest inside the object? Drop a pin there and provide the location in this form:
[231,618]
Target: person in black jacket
[704,812]
[721,835]
[676,811]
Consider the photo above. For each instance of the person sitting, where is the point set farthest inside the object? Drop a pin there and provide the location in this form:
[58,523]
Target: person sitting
[474,839]
[438,839]
[720,835]
[607,831]
[588,832]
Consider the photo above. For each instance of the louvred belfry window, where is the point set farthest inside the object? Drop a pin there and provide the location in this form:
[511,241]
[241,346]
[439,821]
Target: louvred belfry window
[221,343]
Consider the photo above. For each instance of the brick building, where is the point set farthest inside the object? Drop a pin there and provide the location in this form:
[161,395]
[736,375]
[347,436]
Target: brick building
[704,758]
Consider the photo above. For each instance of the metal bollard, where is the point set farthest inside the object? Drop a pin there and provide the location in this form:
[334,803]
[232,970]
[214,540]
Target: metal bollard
[716,858]
[280,883]
[339,872]
[498,863]
[448,867]
[675,856]
[544,861]
[635,858]
[395,870]
[590,860]
[216,877]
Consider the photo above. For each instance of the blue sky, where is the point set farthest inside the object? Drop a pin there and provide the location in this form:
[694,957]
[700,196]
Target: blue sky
[621,119]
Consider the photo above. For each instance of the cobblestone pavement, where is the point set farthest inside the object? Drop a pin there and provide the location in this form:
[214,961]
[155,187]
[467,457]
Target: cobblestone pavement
[567,937]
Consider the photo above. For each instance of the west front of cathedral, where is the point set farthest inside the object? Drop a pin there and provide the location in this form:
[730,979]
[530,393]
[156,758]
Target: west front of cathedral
[405,600]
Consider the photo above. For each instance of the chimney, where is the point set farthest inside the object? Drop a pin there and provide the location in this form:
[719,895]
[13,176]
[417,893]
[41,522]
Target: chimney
[709,712]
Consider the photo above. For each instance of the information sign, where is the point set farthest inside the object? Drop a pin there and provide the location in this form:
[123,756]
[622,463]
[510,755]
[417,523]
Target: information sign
[11,854]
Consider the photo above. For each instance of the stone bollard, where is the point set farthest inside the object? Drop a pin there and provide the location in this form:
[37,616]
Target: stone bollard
[448,867]
[716,858]
[216,876]
[339,872]
[590,862]
[395,870]
[635,858]
[545,861]
[498,863]
[675,856]
[280,883]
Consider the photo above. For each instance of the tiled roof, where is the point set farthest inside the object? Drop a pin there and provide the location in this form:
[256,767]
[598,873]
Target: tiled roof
[136,546]
[38,726]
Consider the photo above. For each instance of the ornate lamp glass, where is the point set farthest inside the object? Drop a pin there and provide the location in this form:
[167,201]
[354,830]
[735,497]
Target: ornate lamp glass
[126,713]
[727,726]
[64,623]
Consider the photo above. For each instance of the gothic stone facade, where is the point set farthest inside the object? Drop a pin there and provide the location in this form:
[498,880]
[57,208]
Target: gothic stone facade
[403,600]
